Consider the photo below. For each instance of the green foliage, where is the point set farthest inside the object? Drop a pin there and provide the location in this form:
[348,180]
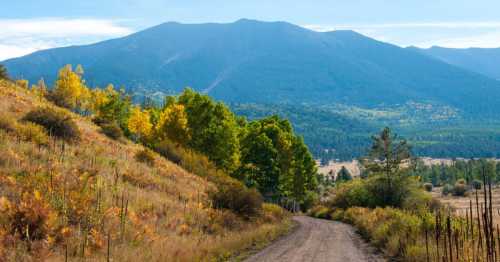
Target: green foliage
[233,195]
[447,189]
[460,188]
[386,154]
[464,170]
[428,187]
[343,175]
[374,191]
[477,184]
[145,156]
[276,161]
[57,122]
[214,129]
[112,130]
[114,107]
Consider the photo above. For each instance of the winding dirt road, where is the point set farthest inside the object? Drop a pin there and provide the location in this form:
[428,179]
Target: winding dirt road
[319,240]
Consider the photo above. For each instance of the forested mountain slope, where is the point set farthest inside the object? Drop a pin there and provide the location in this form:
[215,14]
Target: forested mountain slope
[268,62]
[485,61]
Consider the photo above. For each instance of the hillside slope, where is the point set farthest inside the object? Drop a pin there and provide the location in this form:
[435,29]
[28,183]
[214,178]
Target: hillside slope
[261,62]
[93,199]
[484,61]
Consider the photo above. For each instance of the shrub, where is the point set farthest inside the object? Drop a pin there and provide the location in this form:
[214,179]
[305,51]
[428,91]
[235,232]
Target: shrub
[353,193]
[171,152]
[33,132]
[57,122]
[273,213]
[320,212]
[428,187]
[375,191]
[29,218]
[447,189]
[8,123]
[145,156]
[459,189]
[233,195]
[112,130]
[477,184]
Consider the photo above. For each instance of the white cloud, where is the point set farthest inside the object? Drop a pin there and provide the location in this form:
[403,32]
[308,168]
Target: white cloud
[23,36]
[446,34]
[484,40]
[441,25]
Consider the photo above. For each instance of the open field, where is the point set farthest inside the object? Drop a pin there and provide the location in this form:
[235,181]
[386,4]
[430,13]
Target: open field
[461,205]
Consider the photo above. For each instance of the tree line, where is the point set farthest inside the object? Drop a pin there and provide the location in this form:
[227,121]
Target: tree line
[263,153]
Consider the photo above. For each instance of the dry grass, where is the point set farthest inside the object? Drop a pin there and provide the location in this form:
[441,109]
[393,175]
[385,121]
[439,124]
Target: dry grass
[84,198]
[461,205]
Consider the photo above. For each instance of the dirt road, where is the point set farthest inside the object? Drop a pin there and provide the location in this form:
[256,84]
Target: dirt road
[319,240]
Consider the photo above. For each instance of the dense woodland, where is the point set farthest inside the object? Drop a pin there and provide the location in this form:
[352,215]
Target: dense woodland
[342,133]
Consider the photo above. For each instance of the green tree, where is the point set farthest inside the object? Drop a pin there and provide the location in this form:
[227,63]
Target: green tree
[173,124]
[112,106]
[276,160]
[214,129]
[386,157]
[343,175]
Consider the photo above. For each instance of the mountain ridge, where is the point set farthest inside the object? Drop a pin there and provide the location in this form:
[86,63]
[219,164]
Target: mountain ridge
[265,62]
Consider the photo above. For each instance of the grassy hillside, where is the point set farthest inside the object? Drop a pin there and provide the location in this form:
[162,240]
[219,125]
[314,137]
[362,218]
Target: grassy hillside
[93,199]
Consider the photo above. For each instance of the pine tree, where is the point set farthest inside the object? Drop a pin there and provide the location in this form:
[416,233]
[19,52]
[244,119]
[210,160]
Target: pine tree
[343,175]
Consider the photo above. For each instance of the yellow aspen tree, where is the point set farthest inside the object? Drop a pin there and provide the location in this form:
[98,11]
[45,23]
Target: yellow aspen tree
[173,124]
[68,88]
[40,89]
[139,123]
[23,83]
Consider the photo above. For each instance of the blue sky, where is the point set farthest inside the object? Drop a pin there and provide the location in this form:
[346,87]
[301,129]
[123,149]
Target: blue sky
[30,25]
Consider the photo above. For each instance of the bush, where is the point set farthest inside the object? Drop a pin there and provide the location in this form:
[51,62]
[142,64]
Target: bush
[233,195]
[477,184]
[171,152]
[33,132]
[459,189]
[428,187]
[112,130]
[145,156]
[273,213]
[57,122]
[320,212]
[8,123]
[447,189]
[376,192]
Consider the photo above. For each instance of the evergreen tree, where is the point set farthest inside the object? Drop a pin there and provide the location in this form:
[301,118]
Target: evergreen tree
[343,175]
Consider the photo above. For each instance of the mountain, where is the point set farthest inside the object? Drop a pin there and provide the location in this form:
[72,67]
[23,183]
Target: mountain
[270,62]
[484,61]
